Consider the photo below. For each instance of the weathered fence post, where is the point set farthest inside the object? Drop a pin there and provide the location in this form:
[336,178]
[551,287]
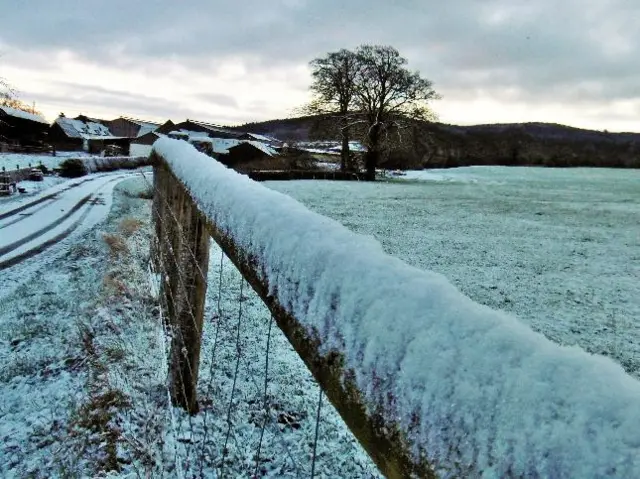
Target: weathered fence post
[185,349]
[183,260]
[157,215]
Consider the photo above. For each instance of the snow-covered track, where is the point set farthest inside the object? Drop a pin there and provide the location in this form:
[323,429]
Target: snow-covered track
[50,219]
[47,197]
[30,237]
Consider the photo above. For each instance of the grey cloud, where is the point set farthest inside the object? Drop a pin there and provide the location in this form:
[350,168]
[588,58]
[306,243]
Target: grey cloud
[219,99]
[89,98]
[561,50]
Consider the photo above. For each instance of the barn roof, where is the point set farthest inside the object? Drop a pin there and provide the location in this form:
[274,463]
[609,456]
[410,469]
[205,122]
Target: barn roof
[148,134]
[259,146]
[144,129]
[145,126]
[262,138]
[141,122]
[87,130]
[218,145]
[214,128]
[25,115]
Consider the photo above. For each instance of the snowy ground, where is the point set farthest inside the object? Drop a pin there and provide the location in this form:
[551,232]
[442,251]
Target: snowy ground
[12,161]
[83,353]
[560,248]
[83,371]
[43,303]
[32,225]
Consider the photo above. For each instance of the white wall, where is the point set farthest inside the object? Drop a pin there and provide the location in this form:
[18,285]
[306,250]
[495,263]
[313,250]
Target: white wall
[139,150]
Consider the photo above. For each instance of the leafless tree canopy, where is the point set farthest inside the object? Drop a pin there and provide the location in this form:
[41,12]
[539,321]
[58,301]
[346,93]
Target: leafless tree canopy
[334,90]
[6,92]
[371,92]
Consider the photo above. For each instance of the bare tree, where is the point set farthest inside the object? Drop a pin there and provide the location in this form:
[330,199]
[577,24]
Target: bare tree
[6,92]
[9,98]
[372,94]
[388,98]
[333,88]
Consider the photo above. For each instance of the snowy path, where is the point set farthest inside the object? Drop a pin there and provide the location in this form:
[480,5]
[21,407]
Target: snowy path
[29,227]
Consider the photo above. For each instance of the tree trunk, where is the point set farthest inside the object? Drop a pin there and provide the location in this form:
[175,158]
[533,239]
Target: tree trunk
[344,153]
[373,153]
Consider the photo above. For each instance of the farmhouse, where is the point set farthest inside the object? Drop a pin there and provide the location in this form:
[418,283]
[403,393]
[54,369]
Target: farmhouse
[19,128]
[83,133]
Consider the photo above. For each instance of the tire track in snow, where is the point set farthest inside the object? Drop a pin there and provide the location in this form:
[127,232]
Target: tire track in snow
[57,238]
[33,203]
[45,203]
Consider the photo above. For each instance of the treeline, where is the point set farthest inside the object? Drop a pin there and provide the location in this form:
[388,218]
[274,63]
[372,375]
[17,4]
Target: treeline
[533,144]
[438,145]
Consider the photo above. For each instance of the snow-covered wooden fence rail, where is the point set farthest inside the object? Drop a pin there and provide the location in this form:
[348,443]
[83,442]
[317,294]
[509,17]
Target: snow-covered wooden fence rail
[431,383]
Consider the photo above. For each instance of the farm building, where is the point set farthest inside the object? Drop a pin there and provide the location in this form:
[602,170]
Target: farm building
[214,147]
[268,140]
[131,127]
[249,155]
[166,127]
[209,129]
[19,128]
[142,145]
[82,133]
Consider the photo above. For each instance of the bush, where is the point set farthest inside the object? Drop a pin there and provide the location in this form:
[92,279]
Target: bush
[73,168]
[43,168]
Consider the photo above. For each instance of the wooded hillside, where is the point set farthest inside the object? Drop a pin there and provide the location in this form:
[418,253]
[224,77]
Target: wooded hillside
[438,145]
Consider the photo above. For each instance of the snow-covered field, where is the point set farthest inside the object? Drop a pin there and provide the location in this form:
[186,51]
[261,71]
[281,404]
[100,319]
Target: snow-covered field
[560,248]
[80,335]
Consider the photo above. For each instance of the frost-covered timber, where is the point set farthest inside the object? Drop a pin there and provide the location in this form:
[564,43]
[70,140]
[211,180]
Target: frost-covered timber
[473,389]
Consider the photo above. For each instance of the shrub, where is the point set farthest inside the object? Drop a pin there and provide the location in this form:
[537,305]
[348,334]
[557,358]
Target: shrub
[73,168]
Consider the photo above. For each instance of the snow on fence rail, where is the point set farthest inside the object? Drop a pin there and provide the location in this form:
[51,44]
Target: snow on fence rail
[431,383]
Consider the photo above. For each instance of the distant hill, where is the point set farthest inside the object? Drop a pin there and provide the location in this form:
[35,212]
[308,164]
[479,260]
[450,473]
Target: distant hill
[291,129]
[443,145]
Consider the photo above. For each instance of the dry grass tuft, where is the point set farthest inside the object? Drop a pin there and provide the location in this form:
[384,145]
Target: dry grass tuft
[114,286]
[116,243]
[128,226]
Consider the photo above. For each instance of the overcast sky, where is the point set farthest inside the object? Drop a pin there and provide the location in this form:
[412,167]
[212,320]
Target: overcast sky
[565,61]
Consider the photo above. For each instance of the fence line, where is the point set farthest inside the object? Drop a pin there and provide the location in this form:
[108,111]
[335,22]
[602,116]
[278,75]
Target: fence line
[170,249]
[383,442]
[472,409]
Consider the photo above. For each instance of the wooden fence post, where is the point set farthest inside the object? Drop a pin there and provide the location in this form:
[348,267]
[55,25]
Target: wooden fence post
[166,231]
[157,215]
[191,243]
